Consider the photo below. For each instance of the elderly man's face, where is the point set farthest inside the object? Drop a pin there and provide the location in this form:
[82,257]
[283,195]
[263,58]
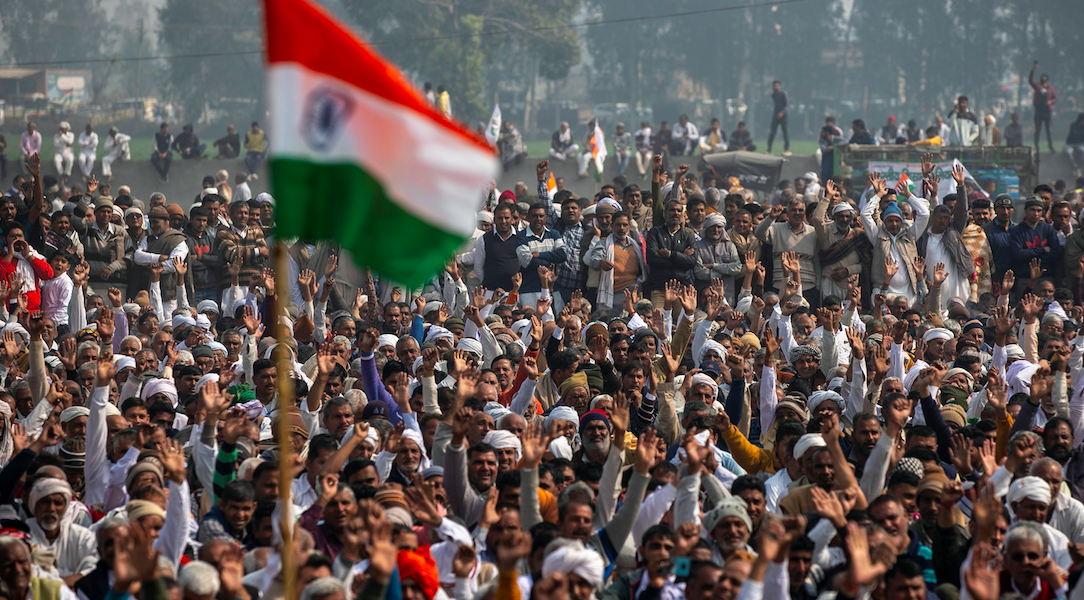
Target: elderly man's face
[49,510]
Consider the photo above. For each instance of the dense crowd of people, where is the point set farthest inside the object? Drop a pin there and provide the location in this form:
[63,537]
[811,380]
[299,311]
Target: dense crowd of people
[845,389]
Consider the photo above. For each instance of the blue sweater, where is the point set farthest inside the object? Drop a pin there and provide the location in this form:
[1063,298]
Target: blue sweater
[1031,242]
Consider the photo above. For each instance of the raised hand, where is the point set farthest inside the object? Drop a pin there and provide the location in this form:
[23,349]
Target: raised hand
[535,444]
[645,452]
[939,274]
[927,164]
[891,268]
[771,345]
[958,174]
[1007,282]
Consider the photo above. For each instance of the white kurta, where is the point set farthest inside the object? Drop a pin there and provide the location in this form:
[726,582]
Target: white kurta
[956,284]
[75,548]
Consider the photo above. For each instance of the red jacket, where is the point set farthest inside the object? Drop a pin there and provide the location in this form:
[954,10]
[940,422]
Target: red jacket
[42,272]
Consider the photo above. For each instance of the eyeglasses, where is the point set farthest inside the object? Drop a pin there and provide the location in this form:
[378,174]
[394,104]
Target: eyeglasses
[1020,556]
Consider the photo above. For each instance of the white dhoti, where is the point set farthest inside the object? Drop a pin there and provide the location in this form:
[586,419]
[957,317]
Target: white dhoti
[574,148]
[107,163]
[583,161]
[86,162]
[64,161]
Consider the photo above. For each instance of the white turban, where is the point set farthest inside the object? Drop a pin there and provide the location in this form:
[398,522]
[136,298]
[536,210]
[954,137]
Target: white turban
[561,413]
[203,322]
[183,319]
[74,412]
[495,410]
[521,326]
[207,306]
[160,386]
[842,207]
[700,378]
[414,436]
[217,347]
[501,439]
[575,558]
[937,333]
[709,346]
[470,345]
[111,410]
[208,378]
[836,384]
[437,332]
[121,361]
[1029,487]
[807,441]
[48,487]
[387,339]
[958,371]
[714,219]
[485,216]
[1014,352]
[816,398]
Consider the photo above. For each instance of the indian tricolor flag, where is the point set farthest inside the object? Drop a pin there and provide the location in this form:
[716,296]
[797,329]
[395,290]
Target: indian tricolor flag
[357,154]
[906,181]
[551,186]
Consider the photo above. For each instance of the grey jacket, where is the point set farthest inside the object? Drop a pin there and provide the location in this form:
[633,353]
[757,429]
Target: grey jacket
[725,263]
[951,238]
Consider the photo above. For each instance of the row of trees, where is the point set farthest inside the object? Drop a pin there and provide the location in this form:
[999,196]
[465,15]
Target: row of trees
[842,55]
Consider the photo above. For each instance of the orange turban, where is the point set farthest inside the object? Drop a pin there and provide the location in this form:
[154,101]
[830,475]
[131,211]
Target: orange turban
[420,567]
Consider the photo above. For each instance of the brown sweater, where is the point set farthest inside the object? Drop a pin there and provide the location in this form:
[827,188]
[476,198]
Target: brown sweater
[231,246]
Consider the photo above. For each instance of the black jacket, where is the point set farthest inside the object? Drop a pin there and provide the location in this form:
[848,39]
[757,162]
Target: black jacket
[675,266]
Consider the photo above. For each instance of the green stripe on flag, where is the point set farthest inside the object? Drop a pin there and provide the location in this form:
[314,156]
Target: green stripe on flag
[342,202]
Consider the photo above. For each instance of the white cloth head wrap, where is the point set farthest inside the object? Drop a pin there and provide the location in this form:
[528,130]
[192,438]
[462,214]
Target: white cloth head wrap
[1029,487]
[74,412]
[958,371]
[836,384]
[470,345]
[437,332]
[485,216]
[842,207]
[208,378]
[414,436]
[217,347]
[501,439]
[495,410]
[807,441]
[387,339]
[121,361]
[207,306]
[48,487]
[184,319]
[111,410]
[575,558]
[711,346]
[562,413]
[702,379]
[521,326]
[1014,352]
[937,333]
[160,386]
[714,219]
[819,396]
